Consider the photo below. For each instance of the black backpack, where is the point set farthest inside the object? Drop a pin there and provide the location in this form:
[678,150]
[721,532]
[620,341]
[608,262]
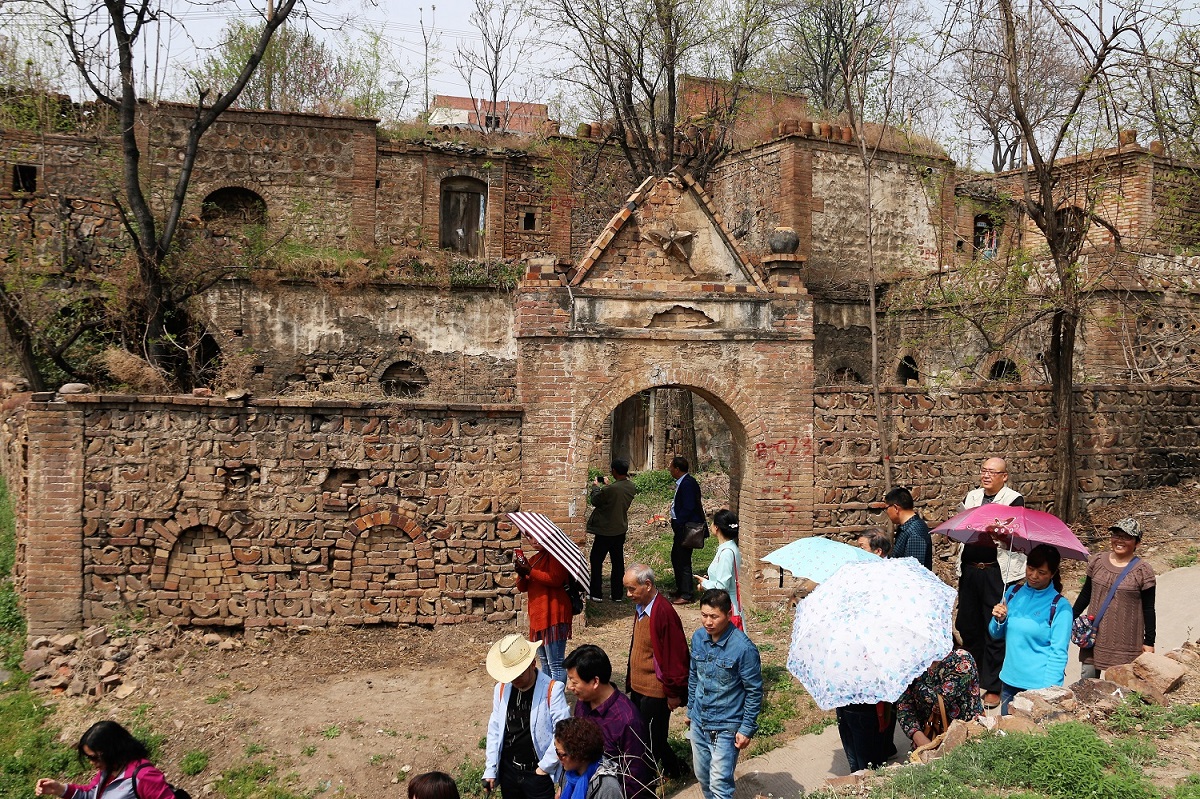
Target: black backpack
[574,593]
[180,793]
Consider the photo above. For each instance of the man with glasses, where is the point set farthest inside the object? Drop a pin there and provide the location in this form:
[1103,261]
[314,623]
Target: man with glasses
[984,571]
[912,539]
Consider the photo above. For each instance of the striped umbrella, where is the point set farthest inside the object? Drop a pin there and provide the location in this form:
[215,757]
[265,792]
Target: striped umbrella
[553,540]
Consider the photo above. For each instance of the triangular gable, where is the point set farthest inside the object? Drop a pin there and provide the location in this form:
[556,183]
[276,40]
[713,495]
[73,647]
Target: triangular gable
[668,231]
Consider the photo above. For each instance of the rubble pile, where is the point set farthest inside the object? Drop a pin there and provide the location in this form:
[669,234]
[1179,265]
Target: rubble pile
[95,663]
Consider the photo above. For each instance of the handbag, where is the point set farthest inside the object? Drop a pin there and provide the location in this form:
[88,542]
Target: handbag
[1084,628]
[937,722]
[694,535]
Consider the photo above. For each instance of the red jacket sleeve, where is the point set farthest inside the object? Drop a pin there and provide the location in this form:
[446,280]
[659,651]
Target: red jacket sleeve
[670,648]
[547,571]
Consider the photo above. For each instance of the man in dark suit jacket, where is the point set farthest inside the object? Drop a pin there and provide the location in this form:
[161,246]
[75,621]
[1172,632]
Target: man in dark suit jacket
[685,508]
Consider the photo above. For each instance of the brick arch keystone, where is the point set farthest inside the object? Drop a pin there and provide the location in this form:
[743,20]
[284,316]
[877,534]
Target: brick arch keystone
[391,516]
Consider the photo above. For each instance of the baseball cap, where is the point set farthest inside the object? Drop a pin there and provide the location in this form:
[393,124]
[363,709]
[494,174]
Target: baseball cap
[1129,527]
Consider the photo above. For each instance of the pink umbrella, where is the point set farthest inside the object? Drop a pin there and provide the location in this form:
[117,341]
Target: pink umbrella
[1017,529]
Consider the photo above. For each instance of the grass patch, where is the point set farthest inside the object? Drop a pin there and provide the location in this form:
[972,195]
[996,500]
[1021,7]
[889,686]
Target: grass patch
[217,698]
[469,778]
[1068,761]
[253,780]
[1185,559]
[656,553]
[29,746]
[193,762]
[254,749]
[331,732]
[1134,715]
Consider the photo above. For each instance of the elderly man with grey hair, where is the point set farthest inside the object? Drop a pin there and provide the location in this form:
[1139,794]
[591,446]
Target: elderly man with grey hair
[657,680]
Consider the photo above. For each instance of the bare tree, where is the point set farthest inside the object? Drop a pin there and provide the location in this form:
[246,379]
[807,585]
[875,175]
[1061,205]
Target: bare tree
[507,39]
[631,56]
[1048,66]
[103,41]
[1046,284]
[824,41]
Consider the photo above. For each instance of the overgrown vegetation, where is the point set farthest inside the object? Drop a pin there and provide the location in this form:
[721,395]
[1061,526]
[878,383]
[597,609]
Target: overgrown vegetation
[1134,715]
[28,745]
[1069,760]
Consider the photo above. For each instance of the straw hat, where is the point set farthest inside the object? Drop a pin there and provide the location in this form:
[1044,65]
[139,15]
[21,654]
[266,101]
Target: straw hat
[510,657]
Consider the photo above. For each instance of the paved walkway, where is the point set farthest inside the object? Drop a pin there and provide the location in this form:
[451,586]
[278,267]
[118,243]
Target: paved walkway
[803,764]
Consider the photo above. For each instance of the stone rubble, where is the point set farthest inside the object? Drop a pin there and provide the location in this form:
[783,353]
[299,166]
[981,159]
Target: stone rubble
[98,662]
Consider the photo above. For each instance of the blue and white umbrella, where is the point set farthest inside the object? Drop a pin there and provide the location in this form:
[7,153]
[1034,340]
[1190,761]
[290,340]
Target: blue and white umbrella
[868,631]
[816,558]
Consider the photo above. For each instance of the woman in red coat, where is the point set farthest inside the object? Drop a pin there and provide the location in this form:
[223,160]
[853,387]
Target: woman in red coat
[549,607]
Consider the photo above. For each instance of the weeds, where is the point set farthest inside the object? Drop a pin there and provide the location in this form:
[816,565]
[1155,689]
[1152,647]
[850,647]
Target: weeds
[1134,715]
[331,732]
[1069,760]
[469,778]
[193,762]
[253,780]
[1183,560]
[217,698]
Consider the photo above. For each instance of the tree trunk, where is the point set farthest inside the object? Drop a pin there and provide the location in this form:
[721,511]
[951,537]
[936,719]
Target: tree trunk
[1063,327]
[22,340]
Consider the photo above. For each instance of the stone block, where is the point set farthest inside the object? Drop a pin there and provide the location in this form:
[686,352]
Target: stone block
[95,636]
[1016,724]
[1125,677]
[1045,705]
[1102,695]
[1189,658]
[1159,671]
[34,659]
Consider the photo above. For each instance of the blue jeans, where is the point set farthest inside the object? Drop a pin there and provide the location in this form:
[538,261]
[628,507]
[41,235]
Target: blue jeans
[550,656]
[1007,692]
[714,758]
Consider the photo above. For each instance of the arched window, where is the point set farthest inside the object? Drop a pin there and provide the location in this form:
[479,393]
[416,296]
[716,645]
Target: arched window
[907,370]
[232,207]
[464,208]
[403,379]
[1004,369]
[987,237]
[845,376]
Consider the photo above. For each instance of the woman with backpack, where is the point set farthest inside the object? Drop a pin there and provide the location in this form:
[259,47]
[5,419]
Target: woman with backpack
[124,770]
[1034,619]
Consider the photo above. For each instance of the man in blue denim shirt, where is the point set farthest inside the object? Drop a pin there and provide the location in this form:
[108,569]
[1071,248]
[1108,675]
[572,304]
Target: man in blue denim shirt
[725,691]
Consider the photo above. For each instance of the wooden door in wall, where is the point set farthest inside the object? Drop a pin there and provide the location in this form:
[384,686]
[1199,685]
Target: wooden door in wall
[462,213]
[631,431]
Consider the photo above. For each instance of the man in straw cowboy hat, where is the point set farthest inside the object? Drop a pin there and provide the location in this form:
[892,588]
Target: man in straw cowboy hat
[520,735]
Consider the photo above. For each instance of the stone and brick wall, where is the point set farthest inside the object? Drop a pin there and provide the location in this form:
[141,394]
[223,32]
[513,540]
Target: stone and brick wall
[272,513]
[1130,437]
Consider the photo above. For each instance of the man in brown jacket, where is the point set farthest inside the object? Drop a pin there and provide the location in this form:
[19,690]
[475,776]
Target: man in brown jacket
[657,680]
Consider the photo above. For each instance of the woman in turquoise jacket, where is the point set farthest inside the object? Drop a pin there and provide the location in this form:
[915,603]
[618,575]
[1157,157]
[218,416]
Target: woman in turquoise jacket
[1034,618]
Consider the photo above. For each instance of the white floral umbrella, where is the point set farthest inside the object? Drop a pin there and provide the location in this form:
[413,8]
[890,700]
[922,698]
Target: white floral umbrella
[868,631]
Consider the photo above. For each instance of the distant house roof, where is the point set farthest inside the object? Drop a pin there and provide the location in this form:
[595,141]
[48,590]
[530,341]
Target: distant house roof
[512,117]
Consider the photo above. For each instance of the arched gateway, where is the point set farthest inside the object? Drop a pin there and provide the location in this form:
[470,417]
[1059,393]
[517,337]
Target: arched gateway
[664,297]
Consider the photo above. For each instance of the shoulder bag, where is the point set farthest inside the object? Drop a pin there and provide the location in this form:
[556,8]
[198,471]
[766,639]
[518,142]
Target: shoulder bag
[1084,628]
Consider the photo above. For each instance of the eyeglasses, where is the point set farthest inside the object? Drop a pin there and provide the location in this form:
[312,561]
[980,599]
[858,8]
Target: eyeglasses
[991,472]
[92,756]
[561,754]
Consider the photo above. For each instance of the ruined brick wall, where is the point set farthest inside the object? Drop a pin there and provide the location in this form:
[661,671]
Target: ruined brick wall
[1130,437]
[1176,204]
[317,174]
[273,513]
[306,337]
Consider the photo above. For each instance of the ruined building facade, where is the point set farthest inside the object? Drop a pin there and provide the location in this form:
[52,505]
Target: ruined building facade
[435,334]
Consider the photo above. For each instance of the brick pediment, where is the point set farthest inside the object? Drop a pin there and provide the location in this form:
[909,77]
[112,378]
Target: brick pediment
[667,236]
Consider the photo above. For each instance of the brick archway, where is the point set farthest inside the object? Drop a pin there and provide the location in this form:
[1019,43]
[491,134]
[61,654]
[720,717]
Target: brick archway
[590,339]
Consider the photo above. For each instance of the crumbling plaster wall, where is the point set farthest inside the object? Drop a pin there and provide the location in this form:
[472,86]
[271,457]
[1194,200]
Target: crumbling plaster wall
[303,337]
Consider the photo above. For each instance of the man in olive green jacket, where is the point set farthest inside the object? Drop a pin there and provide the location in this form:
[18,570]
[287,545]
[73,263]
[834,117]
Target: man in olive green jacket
[609,523]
